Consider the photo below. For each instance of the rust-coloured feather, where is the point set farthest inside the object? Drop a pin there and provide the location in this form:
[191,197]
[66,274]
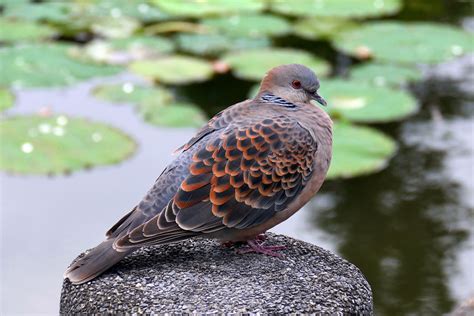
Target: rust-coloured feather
[252,161]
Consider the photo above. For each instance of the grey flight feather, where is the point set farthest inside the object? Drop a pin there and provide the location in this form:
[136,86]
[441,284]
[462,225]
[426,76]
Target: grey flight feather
[251,161]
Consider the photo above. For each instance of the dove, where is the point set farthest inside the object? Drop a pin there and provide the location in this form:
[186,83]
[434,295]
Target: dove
[251,167]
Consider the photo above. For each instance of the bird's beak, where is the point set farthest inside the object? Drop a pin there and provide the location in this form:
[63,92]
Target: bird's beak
[319,99]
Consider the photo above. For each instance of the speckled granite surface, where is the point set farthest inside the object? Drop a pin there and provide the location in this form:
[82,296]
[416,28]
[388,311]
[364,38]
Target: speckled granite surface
[200,276]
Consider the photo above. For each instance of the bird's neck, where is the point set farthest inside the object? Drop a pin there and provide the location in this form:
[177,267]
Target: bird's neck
[316,119]
[283,94]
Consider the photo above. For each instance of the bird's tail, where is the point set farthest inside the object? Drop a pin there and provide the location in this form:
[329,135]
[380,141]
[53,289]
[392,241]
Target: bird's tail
[95,262]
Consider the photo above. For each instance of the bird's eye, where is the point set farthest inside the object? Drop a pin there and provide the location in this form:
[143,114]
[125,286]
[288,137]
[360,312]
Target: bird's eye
[296,84]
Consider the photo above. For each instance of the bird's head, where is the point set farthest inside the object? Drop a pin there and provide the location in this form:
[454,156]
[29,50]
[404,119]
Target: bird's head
[294,83]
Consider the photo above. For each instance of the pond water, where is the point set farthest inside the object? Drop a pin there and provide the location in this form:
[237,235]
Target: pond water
[409,228]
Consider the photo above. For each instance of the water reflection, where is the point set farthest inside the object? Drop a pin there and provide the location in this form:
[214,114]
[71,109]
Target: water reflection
[404,227]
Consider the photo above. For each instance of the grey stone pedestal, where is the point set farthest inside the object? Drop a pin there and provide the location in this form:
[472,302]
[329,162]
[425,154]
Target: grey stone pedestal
[200,276]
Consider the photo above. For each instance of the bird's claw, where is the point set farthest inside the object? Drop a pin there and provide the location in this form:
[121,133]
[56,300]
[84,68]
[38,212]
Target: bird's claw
[254,246]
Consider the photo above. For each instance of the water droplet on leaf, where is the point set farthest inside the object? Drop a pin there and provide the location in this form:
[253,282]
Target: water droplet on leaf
[61,120]
[96,137]
[457,50]
[349,103]
[27,148]
[44,128]
[128,87]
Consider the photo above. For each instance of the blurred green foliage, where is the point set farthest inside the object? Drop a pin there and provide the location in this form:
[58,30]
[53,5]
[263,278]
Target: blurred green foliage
[173,44]
[45,65]
[39,145]
[6,99]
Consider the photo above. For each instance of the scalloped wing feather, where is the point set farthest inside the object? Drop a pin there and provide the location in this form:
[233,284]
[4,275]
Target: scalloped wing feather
[239,179]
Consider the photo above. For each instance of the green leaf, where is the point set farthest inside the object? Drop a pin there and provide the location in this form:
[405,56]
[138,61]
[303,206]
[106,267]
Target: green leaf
[385,74]
[215,44]
[18,31]
[405,42]
[57,12]
[171,115]
[131,93]
[323,28]
[39,145]
[174,69]
[337,8]
[123,50]
[249,25]
[359,102]
[62,11]
[108,18]
[159,45]
[45,65]
[115,27]
[253,64]
[140,10]
[7,3]
[155,104]
[358,150]
[200,8]
[6,99]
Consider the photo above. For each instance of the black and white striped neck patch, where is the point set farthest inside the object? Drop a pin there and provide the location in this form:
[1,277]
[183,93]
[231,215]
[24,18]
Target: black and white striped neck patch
[270,98]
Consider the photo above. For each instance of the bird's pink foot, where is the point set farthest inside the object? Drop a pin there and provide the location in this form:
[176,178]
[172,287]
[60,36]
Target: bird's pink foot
[254,246]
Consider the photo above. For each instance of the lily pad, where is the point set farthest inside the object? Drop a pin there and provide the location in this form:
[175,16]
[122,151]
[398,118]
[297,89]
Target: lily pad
[253,64]
[57,12]
[155,104]
[159,45]
[6,99]
[131,93]
[39,145]
[359,150]
[115,27]
[45,65]
[405,42]
[18,30]
[140,10]
[62,11]
[200,8]
[174,27]
[323,28]
[337,8]
[174,69]
[385,74]
[171,115]
[124,50]
[359,102]
[6,3]
[249,25]
[215,44]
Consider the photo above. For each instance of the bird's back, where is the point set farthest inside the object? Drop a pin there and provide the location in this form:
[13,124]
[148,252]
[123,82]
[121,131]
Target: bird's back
[252,166]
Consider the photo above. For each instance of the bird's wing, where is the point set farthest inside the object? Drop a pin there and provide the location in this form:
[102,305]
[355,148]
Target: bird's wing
[238,178]
[221,120]
[168,182]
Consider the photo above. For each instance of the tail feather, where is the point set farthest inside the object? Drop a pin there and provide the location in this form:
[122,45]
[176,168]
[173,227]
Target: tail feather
[95,262]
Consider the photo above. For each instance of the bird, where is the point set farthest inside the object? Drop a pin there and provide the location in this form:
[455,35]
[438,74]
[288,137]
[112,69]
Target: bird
[251,167]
